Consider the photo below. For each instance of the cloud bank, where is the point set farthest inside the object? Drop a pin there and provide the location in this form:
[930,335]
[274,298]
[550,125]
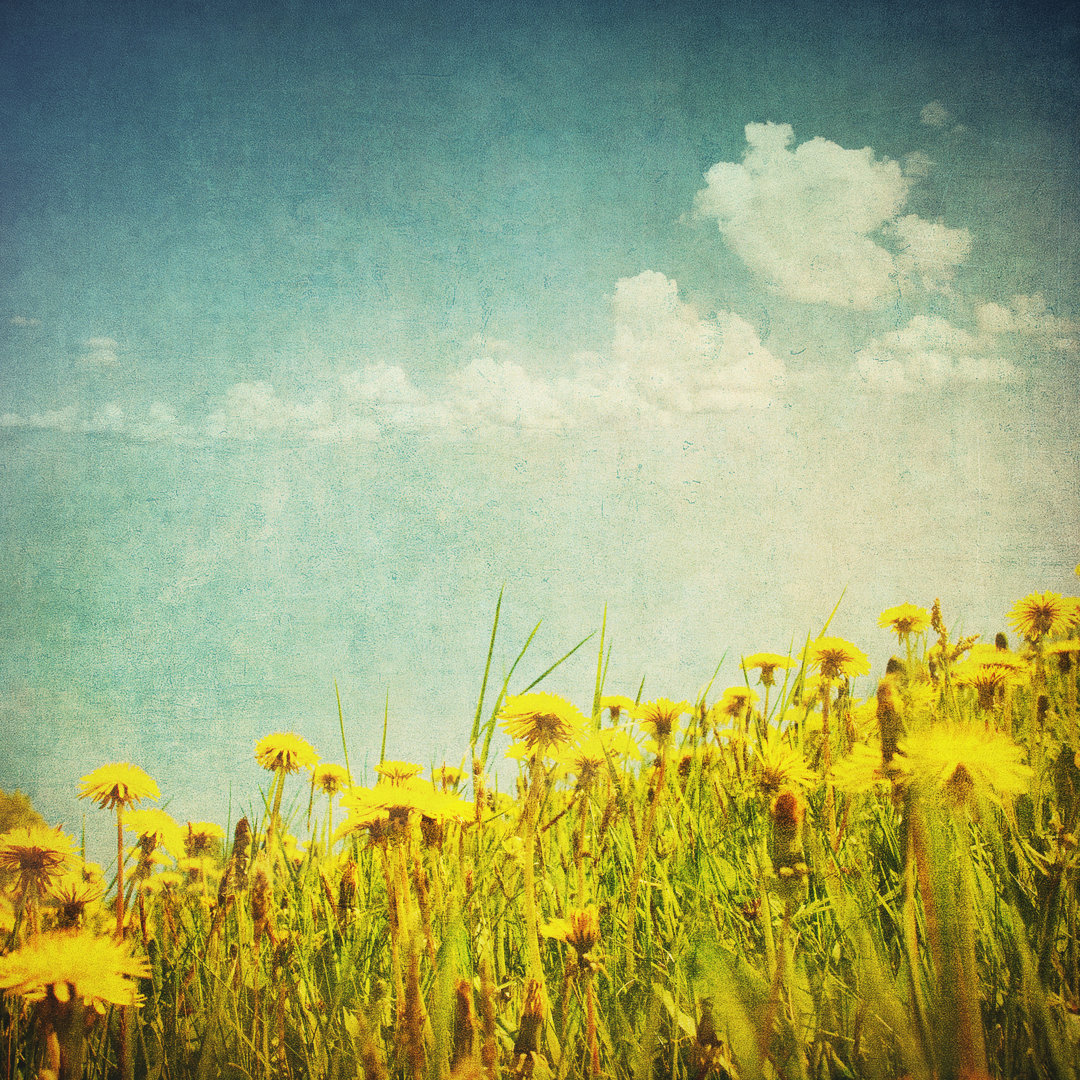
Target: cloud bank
[824,225]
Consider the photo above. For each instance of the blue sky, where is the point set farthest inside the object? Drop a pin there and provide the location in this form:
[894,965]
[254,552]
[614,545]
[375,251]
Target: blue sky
[319,327]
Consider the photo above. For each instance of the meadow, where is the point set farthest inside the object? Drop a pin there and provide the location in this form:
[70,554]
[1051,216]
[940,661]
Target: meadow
[813,873]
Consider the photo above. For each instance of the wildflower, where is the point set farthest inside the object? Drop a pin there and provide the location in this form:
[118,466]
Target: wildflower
[580,930]
[736,701]
[785,847]
[154,828]
[661,717]
[73,894]
[398,772]
[837,659]
[989,670]
[962,763]
[863,770]
[119,786]
[778,765]
[588,758]
[447,777]
[616,705]
[200,836]
[1040,615]
[285,752]
[766,665]
[905,620]
[1066,652]
[69,965]
[541,721]
[38,856]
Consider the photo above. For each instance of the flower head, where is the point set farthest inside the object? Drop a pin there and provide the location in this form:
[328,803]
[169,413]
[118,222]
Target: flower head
[199,836]
[836,659]
[1041,615]
[661,717]
[448,777]
[541,721]
[617,704]
[960,763]
[580,929]
[766,664]
[330,779]
[736,701]
[398,772]
[904,620]
[37,856]
[70,964]
[121,785]
[285,752]
[155,829]
[588,758]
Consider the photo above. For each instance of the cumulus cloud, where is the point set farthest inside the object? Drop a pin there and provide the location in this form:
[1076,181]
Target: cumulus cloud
[823,224]
[935,115]
[1029,316]
[158,423]
[931,353]
[103,352]
[665,361]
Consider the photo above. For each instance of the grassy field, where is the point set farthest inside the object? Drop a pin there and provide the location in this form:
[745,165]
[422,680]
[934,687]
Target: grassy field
[812,874]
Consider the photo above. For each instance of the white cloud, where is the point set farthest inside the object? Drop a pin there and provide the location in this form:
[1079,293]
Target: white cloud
[254,409]
[820,224]
[935,115]
[101,352]
[930,352]
[1029,316]
[24,321]
[500,392]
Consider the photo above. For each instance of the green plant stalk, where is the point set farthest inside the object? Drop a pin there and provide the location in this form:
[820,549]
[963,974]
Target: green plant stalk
[629,955]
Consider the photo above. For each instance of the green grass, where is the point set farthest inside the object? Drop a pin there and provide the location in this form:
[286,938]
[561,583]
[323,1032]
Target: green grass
[764,908]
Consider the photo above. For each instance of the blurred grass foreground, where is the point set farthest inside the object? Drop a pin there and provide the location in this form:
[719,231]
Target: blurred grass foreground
[811,874]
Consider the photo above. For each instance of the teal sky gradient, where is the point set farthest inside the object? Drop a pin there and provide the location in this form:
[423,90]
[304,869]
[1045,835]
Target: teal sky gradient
[319,327]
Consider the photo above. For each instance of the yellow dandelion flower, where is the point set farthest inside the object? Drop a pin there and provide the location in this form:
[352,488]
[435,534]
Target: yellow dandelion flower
[766,664]
[588,758]
[837,659]
[37,857]
[155,828]
[960,762]
[448,777]
[199,836]
[860,771]
[541,721]
[398,772]
[580,930]
[285,752]
[118,786]
[661,717]
[73,894]
[736,701]
[904,620]
[778,765]
[1046,614]
[69,964]
[616,705]
[330,779]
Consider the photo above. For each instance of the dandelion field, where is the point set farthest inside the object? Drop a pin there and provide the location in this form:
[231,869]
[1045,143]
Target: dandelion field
[816,873]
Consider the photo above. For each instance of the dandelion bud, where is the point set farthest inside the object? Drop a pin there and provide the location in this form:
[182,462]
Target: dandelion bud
[787,818]
[890,724]
[527,1042]
[1001,642]
[464,1023]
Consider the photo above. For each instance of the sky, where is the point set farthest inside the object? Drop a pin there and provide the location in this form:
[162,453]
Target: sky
[321,326]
